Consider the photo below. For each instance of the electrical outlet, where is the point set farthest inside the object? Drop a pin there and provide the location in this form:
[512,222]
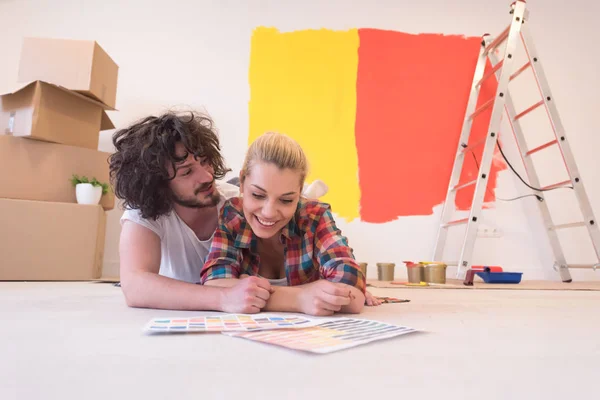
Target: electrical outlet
[484,232]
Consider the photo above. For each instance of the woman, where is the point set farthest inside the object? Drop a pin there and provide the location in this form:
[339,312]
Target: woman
[289,243]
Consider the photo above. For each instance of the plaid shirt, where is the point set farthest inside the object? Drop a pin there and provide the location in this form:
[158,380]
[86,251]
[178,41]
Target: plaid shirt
[314,247]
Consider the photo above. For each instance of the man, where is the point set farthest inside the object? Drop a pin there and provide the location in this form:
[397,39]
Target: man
[166,171]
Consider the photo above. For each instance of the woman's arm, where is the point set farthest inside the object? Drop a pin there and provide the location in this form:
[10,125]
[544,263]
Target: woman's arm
[223,265]
[337,262]
[317,298]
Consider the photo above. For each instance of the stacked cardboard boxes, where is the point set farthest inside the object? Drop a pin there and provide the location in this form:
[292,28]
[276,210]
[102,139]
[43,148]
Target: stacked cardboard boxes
[49,131]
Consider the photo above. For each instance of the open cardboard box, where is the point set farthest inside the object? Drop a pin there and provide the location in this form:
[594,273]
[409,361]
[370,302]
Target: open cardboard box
[44,111]
[36,170]
[46,241]
[79,65]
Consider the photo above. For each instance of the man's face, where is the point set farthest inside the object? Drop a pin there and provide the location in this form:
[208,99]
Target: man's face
[194,183]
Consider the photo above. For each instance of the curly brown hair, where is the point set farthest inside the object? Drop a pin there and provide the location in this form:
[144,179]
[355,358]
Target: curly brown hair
[138,167]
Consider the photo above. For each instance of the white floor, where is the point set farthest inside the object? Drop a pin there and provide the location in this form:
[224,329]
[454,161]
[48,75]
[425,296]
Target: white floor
[80,341]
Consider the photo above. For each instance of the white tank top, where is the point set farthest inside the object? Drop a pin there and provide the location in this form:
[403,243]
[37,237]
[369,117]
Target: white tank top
[182,253]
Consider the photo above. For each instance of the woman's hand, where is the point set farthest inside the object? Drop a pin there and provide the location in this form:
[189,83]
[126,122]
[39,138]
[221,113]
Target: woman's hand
[247,296]
[323,298]
[371,300]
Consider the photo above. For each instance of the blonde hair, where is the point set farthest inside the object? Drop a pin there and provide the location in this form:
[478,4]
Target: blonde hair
[278,149]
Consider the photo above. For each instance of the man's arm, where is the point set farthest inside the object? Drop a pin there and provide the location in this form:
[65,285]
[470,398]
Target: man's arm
[225,282]
[142,286]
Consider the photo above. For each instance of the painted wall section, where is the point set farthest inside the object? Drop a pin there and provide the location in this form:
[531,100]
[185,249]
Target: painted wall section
[412,92]
[378,112]
[303,84]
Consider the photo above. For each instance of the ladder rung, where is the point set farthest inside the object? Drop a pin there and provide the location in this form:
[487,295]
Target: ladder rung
[474,145]
[464,185]
[586,266]
[542,147]
[481,109]
[520,70]
[456,222]
[450,263]
[570,225]
[530,109]
[555,185]
[492,72]
[498,41]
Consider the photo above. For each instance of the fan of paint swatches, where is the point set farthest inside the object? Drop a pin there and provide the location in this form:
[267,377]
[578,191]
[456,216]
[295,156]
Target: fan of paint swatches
[327,337]
[229,323]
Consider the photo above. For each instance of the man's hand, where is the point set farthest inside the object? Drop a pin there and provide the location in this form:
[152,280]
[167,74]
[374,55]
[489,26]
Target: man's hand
[248,296]
[323,297]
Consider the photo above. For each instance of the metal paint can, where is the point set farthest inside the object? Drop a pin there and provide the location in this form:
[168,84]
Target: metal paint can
[415,272]
[385,271]
[435,273]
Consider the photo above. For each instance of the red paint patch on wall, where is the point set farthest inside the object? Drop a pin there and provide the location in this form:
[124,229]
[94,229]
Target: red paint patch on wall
[412,92]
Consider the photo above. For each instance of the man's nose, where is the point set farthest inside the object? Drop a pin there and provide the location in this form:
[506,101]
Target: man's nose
[204,174]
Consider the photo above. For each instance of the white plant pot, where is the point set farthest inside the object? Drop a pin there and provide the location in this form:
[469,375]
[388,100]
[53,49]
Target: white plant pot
[87,193]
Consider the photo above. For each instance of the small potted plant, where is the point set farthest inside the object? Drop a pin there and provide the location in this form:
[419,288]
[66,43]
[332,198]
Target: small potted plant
[88,191]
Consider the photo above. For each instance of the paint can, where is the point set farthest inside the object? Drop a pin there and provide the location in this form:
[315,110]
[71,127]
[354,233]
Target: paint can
[435,273]
[385,271]
[415,272]
[363,268]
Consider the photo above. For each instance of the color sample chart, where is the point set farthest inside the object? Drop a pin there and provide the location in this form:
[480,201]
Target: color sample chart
[228,323]
[330,336]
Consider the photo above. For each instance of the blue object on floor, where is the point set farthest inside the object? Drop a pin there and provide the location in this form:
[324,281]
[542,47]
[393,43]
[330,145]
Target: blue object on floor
[500,277]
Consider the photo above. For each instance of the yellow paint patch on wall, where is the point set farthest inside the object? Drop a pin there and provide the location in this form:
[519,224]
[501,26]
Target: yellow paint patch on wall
[303,84]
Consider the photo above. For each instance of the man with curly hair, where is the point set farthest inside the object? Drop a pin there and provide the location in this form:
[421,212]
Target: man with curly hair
[167,169]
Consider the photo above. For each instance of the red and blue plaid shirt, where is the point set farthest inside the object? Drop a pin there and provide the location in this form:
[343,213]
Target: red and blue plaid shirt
[314,247]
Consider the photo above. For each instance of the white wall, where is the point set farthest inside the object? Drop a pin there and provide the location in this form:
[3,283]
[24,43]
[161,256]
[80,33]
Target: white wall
[196,53]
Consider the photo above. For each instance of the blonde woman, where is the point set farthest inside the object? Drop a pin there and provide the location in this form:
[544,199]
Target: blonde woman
[289,245]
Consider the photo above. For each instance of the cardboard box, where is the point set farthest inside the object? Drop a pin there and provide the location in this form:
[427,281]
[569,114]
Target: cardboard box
[51,241]
[79,65]
[35,170]
[42,111]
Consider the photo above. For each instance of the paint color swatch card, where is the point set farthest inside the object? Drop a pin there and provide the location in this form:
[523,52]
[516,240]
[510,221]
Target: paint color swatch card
[327,337]
[230,323]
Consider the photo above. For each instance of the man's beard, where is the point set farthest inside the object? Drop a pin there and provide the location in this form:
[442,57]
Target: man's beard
[194,202]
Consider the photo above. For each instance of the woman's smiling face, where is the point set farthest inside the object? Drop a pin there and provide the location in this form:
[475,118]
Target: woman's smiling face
[270,197]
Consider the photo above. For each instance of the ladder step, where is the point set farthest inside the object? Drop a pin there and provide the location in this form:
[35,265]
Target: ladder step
[464,185]
[570,225]
[555,185]
[484,107]
[585,266]
[498,41]
[530,109]
[456,222]
[450,263]
[491,73]
[520,70]
[473,146]
[542,147]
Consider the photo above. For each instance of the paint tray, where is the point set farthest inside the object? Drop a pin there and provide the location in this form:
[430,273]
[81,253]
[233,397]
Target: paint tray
[500,277]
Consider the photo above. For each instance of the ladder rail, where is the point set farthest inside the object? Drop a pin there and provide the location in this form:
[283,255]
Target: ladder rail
[448,205]
[563,143]
[534,181]
[492,136]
